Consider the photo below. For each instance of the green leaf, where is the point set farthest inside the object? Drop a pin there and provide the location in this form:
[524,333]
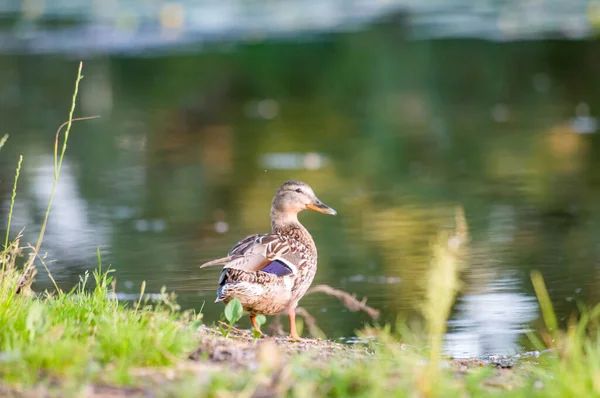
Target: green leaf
[233,311]
[260,320]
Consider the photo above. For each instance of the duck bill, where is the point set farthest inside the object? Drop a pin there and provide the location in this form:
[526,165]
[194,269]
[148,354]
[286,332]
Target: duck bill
[321,207]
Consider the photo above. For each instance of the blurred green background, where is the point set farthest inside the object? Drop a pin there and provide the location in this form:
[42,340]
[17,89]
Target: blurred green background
[393,112]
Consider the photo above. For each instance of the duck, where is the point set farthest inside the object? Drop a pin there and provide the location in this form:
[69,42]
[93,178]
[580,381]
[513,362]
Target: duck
[269,273]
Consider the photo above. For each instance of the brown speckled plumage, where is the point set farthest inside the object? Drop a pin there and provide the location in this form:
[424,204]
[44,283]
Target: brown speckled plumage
[270,273]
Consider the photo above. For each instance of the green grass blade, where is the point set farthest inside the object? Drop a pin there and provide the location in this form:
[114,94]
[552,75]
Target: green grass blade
[12,202]
[58,160]
[545,303]
[3,140]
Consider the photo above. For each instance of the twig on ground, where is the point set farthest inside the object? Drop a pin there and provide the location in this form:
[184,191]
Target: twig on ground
[311,323]
[232,327]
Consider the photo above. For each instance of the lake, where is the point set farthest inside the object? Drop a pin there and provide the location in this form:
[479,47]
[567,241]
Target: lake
[393,134]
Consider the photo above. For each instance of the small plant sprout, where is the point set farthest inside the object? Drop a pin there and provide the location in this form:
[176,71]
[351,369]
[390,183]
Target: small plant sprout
[233,313]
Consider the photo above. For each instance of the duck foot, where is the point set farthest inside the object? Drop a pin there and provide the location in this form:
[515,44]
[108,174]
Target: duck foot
[293,333]
[256,327]
[294,338]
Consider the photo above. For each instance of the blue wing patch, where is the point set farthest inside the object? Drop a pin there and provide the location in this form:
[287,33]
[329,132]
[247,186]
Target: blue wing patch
[278,268]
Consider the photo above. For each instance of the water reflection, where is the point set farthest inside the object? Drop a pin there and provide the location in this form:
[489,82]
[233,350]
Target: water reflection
[491,321]
[185,160]
[75,228]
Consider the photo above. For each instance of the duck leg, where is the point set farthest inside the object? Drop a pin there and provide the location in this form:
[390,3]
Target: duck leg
[255,325]
[293,332]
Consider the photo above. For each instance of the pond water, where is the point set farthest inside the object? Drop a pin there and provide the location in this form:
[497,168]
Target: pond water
[394,135]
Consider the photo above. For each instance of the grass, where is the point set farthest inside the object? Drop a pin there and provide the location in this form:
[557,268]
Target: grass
[82,334]
[84,342]
[85,335]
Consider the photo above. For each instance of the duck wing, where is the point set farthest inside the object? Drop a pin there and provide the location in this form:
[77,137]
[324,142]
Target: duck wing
[272,253]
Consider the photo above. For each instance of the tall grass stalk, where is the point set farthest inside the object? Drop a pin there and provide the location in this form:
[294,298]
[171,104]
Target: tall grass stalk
[142,291]
[58,160]
[545,303]
[59,290]
[12,204]
[442,286]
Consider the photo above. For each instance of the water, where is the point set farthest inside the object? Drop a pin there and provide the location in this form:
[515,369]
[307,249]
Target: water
[190,148]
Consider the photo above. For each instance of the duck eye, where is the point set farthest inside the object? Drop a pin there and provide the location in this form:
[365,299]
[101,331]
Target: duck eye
[298,190]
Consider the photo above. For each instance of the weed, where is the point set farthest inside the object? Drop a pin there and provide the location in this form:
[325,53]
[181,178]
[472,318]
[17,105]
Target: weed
[233,312]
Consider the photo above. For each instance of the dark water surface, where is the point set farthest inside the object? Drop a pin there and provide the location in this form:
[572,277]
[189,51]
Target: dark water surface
[191,147]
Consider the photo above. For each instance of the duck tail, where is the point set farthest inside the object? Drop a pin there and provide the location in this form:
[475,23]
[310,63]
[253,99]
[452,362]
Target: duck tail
[218,261]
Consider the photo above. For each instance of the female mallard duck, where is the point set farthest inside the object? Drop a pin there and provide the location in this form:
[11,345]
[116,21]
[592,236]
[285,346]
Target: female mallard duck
[270,273]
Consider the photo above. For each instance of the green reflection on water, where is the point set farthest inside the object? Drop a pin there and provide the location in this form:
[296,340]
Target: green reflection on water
[407,131]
